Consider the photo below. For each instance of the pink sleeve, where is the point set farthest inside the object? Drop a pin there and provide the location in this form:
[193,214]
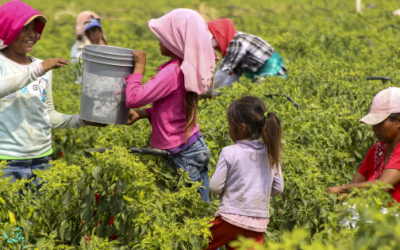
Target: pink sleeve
[158,87]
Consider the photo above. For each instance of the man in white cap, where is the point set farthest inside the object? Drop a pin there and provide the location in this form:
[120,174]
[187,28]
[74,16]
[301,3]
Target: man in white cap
[382,163]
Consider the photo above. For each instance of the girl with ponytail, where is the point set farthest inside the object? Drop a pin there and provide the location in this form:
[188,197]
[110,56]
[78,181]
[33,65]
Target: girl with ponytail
[174,91]
[247,173]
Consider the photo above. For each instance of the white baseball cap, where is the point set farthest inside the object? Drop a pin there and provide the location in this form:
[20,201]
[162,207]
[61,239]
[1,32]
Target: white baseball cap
[383,105]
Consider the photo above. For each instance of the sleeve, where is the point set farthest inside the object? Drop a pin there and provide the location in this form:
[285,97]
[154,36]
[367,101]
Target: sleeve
[394,162]
[59,120]
[11,84]
[277,183]
[223,79]
[234,55]
[158,87]
[367,165]
[218,180]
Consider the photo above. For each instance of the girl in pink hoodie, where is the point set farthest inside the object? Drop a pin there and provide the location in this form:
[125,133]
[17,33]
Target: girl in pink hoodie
[175,90]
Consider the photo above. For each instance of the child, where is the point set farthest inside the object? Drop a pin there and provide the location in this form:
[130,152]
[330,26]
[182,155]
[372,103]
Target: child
[243,54]
[88,31]
[27,113]
[184,37]
[247,173]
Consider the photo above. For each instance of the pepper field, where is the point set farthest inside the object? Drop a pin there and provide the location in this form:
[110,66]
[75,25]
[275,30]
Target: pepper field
[330,52]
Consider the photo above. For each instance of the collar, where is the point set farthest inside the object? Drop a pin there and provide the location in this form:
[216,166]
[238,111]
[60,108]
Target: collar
[174,61]
[256,144]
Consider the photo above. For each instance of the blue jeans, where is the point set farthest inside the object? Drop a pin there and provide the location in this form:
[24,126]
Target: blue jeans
[22,169]
[194,160]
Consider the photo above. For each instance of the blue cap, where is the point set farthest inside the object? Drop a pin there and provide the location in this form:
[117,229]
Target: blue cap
[93,23]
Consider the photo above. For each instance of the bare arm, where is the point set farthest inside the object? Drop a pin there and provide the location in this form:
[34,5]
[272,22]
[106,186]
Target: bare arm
[357,178]
[390,176]
[135,115]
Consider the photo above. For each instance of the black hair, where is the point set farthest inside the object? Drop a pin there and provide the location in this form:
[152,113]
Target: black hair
[251,111]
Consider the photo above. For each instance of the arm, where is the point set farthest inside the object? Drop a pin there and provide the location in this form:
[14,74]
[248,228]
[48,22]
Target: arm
[13,83]
[26,75]
[218,180]
[358,178]
[158,87]
[135,115]
[390,176]
[234,55]
[277,183]
[364,171]
[58,120]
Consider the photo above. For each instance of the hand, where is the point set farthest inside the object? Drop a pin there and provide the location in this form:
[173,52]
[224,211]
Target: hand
[342,197]
[94,124]
[133,116]
[334,190]
[54,63]
[140,61]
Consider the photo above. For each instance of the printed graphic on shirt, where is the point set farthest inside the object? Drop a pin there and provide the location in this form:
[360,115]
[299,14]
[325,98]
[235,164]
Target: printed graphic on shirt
[38,88]
[24,90]
[43,84]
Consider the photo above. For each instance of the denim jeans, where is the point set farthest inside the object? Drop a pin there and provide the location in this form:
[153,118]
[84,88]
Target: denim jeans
[194,160]
[22,169]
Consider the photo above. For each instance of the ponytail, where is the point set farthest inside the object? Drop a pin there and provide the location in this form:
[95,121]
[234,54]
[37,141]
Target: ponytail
[251,111]
[271,133]
[191,104]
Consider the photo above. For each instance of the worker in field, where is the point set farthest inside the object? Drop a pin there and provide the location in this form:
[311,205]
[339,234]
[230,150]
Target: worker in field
[88,31]
[27,112]
[382,163]
[243,54]
[248,173]
[174,92]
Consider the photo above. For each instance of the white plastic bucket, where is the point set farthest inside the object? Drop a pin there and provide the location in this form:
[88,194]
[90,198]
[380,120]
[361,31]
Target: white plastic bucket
[103,96]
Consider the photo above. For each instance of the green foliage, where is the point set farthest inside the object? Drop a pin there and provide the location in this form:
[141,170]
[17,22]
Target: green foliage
[323,141]
[373,230]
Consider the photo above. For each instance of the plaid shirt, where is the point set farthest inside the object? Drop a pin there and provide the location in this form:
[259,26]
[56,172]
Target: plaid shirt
[245,52]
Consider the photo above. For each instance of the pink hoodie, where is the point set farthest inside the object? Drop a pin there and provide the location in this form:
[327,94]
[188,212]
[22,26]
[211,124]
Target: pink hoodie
[13,17]
[185,33]
[166,91]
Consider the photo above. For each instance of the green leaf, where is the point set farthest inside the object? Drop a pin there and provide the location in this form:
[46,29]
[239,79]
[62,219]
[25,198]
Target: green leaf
[96,172]
[104,204]
[86,213]
[66,198]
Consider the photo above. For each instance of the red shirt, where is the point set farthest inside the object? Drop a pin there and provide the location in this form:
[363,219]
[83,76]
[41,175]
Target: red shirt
[371,168]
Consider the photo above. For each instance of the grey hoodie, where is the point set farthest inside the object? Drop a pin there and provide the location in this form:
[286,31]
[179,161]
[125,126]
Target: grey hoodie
[244,180]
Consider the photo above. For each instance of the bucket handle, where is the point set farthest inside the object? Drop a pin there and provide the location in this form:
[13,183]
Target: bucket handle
[79,60]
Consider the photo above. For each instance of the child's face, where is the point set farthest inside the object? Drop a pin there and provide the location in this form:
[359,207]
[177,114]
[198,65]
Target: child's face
[94,35]
[164,51]
[25,40]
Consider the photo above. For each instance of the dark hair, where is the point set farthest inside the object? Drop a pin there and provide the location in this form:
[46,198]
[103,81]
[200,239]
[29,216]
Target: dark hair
[191,104]
[394,116]
[251,111]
